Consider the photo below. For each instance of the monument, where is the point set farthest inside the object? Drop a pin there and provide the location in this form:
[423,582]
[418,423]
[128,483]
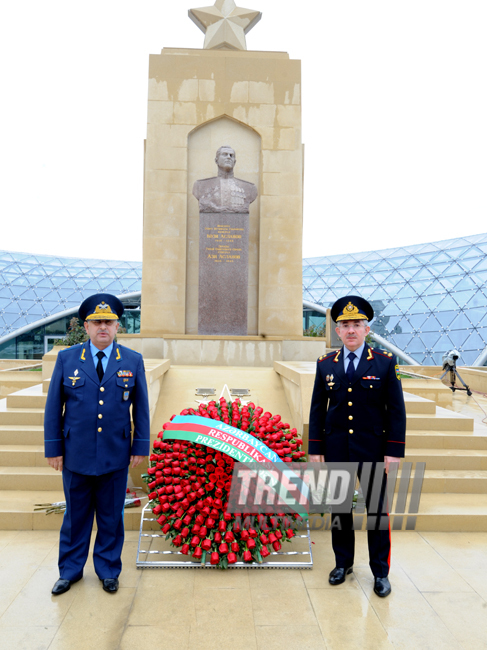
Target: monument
[200,101]
[224,203]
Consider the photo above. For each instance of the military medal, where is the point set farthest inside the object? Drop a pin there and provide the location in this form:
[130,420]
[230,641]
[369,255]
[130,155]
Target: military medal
[126,394]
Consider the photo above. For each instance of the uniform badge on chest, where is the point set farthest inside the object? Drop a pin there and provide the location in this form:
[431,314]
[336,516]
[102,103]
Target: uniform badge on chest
[126,394]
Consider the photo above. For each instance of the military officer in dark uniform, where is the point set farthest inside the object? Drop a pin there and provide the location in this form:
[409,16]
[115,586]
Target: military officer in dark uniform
[358,415]
[87,430]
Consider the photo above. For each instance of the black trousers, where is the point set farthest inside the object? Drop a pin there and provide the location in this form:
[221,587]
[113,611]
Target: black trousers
[374,486]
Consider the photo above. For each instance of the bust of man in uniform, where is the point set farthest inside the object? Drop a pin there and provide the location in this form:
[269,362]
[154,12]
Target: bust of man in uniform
[225,193]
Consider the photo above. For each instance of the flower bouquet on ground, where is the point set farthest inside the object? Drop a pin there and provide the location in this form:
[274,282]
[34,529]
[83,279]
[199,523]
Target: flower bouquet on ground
[132,500]
[189,484]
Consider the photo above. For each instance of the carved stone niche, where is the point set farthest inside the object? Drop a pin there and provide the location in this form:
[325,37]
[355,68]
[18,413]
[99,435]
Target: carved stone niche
[222,271]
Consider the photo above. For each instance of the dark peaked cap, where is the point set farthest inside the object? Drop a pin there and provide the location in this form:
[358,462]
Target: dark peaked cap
[101,306]
[352,308]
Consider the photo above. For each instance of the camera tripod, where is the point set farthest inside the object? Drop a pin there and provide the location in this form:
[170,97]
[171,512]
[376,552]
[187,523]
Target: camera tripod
[452,369]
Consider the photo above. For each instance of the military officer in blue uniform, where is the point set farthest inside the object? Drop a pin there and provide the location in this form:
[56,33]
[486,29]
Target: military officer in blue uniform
[358,415]
[87,431]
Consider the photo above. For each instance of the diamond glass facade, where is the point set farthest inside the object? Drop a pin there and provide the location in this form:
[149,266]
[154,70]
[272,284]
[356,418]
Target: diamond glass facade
[427,299]
[36,287]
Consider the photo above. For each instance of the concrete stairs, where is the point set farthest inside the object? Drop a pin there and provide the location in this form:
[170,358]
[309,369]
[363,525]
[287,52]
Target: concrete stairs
[454,495]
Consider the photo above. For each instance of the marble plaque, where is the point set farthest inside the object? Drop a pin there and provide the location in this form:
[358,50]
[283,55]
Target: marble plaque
[223,273]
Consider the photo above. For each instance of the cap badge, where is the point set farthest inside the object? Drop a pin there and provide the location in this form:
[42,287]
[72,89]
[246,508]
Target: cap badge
[350,310]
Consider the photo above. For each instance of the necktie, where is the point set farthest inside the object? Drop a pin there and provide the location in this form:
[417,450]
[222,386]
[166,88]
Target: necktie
[99,366]
[351,367]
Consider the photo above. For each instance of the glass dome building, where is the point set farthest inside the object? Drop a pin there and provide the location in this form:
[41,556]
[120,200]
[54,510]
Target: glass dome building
[428,299]
[39,294]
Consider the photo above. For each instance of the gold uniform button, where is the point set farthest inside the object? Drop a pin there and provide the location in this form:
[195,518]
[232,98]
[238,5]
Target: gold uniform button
[350,431]
[371,386]
[99,429]
[101,389]
[350,403]
[349,390]
[350,417]
[100,416]
[101,402]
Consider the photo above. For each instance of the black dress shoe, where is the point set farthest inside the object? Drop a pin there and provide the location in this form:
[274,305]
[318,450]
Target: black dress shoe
[338,575]
[110,585]
[61,587]
[382,586]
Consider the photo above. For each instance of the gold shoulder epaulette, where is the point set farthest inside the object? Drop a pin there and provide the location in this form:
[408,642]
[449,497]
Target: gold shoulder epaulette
[384,353]
[326,356]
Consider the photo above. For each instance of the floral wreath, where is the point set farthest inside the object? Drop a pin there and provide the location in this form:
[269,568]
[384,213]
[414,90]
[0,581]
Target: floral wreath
[189,485]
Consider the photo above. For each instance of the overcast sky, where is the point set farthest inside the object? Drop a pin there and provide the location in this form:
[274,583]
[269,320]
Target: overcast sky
[394,118]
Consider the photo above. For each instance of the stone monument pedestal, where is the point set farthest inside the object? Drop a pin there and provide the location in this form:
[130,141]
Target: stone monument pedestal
[200,100]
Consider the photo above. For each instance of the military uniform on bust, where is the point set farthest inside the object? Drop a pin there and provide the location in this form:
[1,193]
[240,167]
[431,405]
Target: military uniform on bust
[358,415]
[87,430]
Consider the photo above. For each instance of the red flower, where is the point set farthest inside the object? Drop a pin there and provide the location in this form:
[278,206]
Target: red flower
[206,544]
[215,558]
[231,558]
[276,546]
[223,548]
[247,556]
[198,553]
[289,533]
[264,551]
[185,549]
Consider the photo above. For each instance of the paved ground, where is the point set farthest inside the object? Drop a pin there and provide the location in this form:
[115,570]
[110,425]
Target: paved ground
[439,600]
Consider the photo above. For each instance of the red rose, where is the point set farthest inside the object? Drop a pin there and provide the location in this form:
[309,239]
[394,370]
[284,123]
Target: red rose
[203,532]
[244,535]
[215,558]
[177,541]
[217,537]
[206,544]
[166,528]
[276,546]
[264,539]
[223,548]
[247,556]
[278,534]
[289,533]
[234,546]
[185,549]
[198,553]
[251,544]
[195,541]
[229,537]
[231,558]
[222,526]
[264,551]
[272,538]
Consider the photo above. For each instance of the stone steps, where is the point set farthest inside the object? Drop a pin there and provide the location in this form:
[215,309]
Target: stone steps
[454,495]
[17,511]
[442,420]
[454,459]
[445,440]
[13,434]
